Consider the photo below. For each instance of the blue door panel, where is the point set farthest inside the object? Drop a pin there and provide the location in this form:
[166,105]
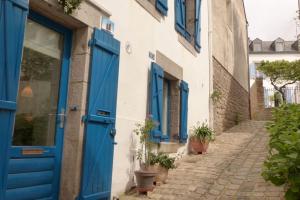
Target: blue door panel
[13,15]
[25,177]
[30,193]
[100,118]
[23,165]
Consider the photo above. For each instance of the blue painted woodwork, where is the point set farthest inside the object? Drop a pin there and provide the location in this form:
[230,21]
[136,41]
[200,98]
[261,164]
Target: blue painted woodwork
[23,165]
[100,117]
[162,6]
[156,100]
[184,93]
[166,136]
[32,193]
[26,176]
[13,15]
[198,25]
[180,16]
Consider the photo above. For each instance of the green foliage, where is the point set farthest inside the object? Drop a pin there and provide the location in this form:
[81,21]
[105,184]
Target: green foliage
[216,96]
[145,154]
[237,118]
[164,160]
[282,166]
[69,5]
[202,132]
[281,73]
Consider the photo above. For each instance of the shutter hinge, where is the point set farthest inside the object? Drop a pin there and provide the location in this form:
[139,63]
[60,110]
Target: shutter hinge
[84,118]
[91,42]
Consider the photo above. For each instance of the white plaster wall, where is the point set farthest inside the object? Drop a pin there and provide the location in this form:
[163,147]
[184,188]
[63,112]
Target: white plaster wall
[135,25]
[256,58]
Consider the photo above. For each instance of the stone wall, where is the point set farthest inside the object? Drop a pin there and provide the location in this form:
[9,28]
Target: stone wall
[233,105]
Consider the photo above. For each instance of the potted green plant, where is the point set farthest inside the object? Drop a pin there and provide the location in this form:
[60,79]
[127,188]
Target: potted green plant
[162,163]
[146,174]
[200,138]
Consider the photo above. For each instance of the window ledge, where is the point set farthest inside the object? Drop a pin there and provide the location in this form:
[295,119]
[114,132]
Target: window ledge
[150,9]
[187,45]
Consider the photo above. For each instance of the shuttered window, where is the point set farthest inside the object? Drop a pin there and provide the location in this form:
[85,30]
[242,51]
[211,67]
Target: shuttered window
[198,25]
[162,6]
[156,101]
[184,93]
[161,98]
[187,18]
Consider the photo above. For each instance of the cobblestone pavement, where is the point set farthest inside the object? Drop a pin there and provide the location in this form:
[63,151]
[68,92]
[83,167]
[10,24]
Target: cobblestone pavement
[230,170]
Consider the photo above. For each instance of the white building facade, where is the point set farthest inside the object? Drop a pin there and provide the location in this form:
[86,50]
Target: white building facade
[70,102]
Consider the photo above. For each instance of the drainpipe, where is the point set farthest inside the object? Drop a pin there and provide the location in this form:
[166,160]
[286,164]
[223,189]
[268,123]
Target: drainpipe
[210,58]
[248,68]
[299,8]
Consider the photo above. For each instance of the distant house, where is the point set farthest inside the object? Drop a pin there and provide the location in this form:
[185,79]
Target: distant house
[278,49]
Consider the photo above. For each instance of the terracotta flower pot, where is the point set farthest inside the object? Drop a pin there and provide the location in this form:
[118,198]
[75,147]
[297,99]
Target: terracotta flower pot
[145,180]
[162,174]
[198,147]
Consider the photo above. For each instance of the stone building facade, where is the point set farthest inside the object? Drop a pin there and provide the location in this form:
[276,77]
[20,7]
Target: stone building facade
[230,64]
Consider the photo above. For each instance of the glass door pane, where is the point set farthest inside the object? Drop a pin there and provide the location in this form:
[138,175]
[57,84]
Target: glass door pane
[38,95]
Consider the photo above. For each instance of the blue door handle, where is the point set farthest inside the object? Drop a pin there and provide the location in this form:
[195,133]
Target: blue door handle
[113,132]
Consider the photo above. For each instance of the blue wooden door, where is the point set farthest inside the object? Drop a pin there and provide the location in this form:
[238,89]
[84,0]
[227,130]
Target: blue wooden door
[13,15]
[100,118]
[33,95]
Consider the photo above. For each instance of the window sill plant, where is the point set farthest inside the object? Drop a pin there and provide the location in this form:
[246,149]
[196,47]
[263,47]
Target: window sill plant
[146,174]
[200,138]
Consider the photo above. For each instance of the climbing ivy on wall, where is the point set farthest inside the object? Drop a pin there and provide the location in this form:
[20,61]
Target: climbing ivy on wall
[69,5]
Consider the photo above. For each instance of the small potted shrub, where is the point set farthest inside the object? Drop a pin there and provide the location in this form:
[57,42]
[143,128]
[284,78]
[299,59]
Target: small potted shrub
[200,138]
[163,162]
[146,174]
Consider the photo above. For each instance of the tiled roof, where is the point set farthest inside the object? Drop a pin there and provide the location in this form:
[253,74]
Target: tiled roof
[269,46]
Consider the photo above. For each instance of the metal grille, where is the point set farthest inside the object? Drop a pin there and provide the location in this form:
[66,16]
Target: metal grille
[272,98]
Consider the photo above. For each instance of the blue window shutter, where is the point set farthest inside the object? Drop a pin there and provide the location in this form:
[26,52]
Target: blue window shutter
[180,16]
[13,15]
[162,6]
[156,101]
[198,25]
[184,93]
[100,117]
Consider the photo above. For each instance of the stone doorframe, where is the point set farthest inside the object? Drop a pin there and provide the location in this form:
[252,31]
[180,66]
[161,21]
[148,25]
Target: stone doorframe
[81,22]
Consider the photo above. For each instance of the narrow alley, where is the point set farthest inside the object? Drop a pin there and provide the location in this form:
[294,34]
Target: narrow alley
[230,170]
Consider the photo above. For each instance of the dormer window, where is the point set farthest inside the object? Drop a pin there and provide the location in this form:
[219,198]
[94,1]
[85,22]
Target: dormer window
[257,45]
[279,45]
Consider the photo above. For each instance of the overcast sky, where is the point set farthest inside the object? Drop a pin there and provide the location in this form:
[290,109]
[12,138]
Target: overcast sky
[269,19]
